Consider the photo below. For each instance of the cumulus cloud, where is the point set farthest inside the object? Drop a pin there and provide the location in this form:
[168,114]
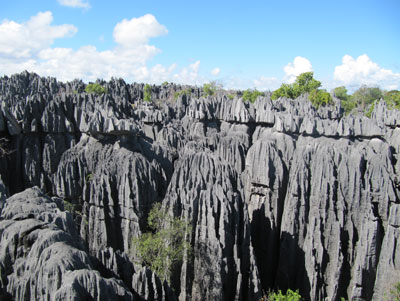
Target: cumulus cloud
[356,72]
[74,3]
[24,40]
[138,31]
[27,46]
[215,71]
[299,65]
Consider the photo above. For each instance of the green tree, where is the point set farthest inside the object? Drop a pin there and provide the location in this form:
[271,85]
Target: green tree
[162,249]
[285,90]
[251,95]
[305,83]
[147,93]
[365,96]
[209,89]
[341,93]
[95,88]
[320,98]
[392,98]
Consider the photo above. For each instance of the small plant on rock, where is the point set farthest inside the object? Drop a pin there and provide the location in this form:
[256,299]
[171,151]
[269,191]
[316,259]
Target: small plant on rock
[279,296]
[147,93]
[95,88]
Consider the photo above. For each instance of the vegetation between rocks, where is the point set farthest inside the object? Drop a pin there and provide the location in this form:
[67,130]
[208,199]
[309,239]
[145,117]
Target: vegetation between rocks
[95,88]
[162,248]
[279,296]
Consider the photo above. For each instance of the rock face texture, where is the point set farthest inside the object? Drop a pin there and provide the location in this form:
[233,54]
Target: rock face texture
[278,194]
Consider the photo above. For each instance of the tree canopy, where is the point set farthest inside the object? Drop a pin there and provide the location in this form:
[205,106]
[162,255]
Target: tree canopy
[251,95]
[305,83]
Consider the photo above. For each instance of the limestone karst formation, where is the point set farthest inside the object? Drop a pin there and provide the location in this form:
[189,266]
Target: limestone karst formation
[278,193]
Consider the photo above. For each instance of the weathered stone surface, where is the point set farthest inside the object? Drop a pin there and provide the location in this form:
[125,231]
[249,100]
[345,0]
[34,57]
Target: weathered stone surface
[279,194]
[149,287]
[117,187]
[41,258]
[206,192]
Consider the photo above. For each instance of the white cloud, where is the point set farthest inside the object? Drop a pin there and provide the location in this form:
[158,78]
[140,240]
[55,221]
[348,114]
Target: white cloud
[138,31]
[23,40]
[356,72]
[74,3]
[215,71]
[27,46]
[189,75]
[299,65]
[266,83]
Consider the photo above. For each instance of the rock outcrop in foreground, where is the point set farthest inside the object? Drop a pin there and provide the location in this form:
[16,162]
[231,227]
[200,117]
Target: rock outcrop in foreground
[279,194]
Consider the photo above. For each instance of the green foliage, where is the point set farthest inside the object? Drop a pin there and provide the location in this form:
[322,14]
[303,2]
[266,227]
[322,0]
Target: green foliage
[251,95]
[187,92]
[147,93]
[164,83]
[320,97]
[95,88]
[279,296]
[89,177]
[73,208]
[285,90]
[305,83]
[392,99]
[365,96]
[348,105]
[230,96]
[395,292]
[209,89]
[371,108]
[163,248]
[341,93]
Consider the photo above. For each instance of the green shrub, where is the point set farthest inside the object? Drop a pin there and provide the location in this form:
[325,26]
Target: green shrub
[230,96]
[365,96]
[162,249]
[392,99]
[209,89]
[147,93]
[341,93]
[73,208]
[320,98]
[95,88]
[395,292]
[251,95]
[187,92]
[305,83]
[279,296]
[348,105]
[164,83]
[285,90]
[368,112]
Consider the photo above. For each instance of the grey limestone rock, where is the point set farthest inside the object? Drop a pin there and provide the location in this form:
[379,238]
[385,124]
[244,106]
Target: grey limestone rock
[206,192]
[280,194]
[41,257]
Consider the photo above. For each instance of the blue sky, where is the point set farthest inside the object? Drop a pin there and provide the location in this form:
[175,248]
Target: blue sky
[242,44]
